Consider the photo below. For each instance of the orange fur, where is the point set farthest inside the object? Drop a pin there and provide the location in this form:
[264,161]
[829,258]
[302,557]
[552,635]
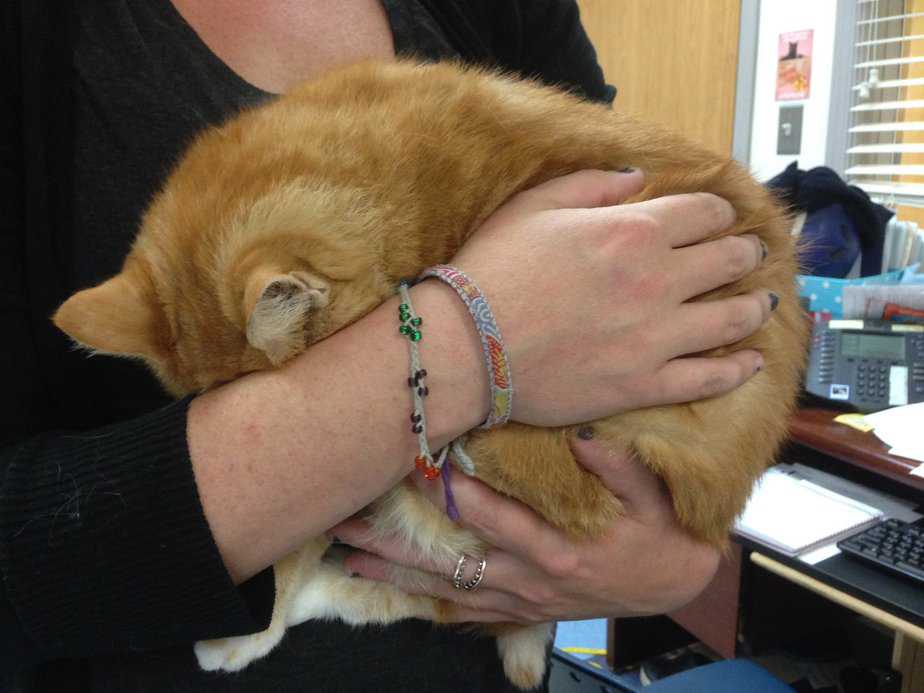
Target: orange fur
[313,206]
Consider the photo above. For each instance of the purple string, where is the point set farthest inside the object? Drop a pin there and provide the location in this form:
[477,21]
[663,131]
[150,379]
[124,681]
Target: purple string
[451,508]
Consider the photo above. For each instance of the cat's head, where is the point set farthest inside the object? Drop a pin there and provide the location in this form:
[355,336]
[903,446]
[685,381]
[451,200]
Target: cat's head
[215,285]
[191,334]
[241,261]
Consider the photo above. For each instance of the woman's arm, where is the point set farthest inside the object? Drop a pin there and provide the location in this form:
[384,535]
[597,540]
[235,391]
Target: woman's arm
[95,525]
[644,564]
[283,455]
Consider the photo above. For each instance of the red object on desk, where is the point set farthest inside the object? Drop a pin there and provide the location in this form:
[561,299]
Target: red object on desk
[816,429]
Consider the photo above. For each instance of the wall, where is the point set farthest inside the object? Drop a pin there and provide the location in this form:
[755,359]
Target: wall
[673,61]
[776,17]
[915,27]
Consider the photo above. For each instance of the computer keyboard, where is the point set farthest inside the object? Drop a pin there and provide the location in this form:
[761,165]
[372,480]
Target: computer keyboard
[893,545]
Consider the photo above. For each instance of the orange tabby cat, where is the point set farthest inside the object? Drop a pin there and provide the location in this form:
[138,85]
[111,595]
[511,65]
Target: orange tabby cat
[297,218]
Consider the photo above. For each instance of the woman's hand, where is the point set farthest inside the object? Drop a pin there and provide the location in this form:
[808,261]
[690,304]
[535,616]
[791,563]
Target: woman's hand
[644,564]
[592,295]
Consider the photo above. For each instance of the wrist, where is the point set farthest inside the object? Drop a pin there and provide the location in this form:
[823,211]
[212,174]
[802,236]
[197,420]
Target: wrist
[283,455]
[374,363]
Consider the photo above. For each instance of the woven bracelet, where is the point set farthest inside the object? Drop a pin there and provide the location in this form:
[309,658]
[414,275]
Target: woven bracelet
[495,354]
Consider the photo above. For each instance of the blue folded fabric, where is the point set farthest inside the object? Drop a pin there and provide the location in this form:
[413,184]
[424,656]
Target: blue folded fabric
[825,294]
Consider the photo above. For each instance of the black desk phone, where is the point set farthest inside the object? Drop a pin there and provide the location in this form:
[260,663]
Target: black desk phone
[870,364]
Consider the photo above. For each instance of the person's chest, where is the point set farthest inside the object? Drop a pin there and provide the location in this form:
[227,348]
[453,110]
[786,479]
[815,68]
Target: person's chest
[145,83]
[152,73]
[276,45]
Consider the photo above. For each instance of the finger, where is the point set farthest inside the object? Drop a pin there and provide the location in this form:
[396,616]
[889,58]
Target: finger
[706,325]
[501,568]
[498,520]
[689,218]
[690,379]
[706,266]
[636,486]
[376,568]
[581,190]
[359,534]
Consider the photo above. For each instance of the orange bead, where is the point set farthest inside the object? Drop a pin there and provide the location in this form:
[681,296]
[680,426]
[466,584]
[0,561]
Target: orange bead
[420,462]
[430,473]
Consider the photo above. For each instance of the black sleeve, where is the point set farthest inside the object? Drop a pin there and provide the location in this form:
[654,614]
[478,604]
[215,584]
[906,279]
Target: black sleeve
[551,44]
[103,542]
[104,546]
[543,39]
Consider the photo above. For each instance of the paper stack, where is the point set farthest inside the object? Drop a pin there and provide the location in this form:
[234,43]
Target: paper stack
[902,429]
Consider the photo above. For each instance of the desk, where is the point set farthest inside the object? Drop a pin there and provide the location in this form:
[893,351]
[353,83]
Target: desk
[891,602]
[894,603]
[908,647]
[815,429]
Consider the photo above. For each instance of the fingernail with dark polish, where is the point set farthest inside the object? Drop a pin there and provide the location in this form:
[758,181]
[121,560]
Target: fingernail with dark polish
[586,433]
[774,301]
[626,169]
[763,251]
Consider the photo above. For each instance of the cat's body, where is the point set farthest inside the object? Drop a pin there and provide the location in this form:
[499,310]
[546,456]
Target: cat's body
[299,217]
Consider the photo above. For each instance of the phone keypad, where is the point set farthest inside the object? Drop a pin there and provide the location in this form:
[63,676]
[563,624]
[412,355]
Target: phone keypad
[872,381]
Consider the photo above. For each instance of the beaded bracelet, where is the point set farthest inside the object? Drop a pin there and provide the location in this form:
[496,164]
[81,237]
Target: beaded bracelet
[495,354]
[410,328]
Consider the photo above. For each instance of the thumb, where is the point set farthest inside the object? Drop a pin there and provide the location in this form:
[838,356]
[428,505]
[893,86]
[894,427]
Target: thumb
[581,190]
[639,489]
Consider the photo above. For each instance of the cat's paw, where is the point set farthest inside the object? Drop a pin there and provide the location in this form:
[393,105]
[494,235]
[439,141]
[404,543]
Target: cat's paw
[525,669]
[523,654]
[233,654]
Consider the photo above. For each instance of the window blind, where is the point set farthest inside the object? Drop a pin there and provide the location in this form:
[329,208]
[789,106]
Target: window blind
[886,133]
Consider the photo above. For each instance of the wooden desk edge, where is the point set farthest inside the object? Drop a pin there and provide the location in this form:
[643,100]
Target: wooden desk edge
[815,429]
[858,605]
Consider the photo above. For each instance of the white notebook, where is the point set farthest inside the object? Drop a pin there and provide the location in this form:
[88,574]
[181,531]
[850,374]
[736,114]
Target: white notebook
[794,515]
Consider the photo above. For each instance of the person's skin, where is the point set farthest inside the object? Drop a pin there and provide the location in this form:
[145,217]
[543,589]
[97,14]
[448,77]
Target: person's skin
[275,45]
[267,485]
[283,456]
[534,572]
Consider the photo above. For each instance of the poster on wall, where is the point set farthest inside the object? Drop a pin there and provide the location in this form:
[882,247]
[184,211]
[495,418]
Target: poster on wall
[794,67]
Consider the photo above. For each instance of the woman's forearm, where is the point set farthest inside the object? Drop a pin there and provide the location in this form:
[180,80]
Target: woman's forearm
[284,455]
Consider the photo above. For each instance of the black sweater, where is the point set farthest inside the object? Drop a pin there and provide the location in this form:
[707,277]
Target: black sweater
[104,548]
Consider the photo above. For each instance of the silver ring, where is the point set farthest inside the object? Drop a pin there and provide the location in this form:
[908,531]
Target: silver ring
[460,568]
[472,584]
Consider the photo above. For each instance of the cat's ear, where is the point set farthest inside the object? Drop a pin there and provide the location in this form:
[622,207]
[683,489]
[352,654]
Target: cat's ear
[278,307]
[116,317]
